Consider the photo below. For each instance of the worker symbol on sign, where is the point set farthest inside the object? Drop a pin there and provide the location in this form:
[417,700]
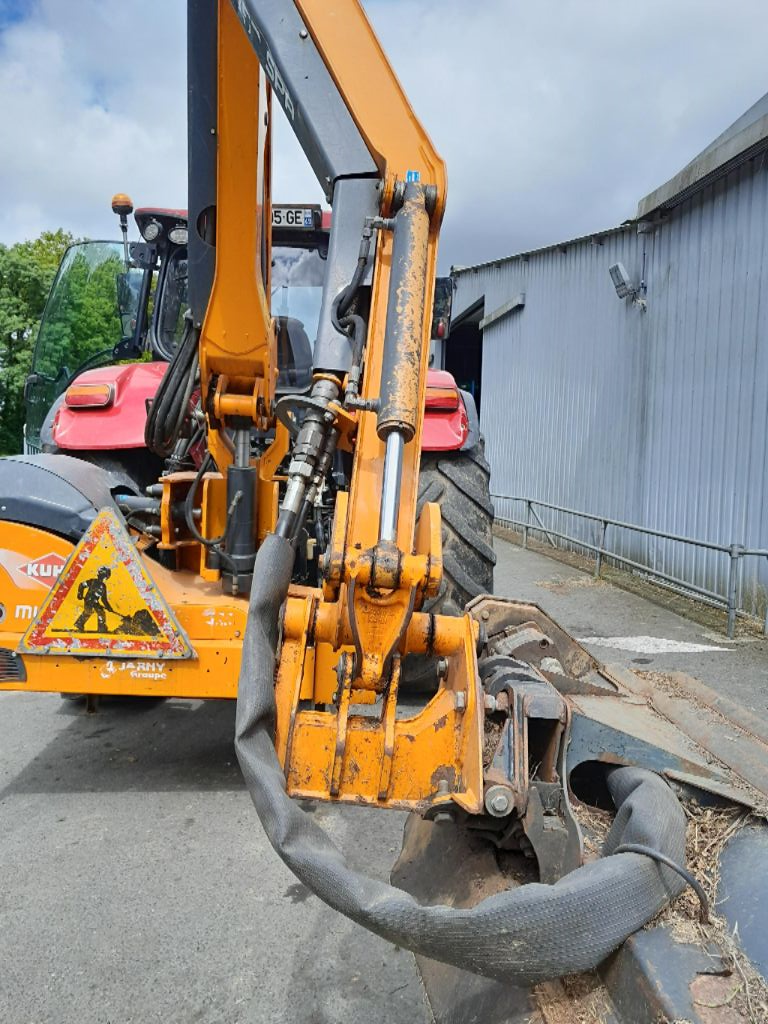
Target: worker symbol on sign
[93,594]
[95,598]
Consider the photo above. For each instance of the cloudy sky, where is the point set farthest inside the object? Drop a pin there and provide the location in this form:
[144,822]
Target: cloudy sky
[554,116]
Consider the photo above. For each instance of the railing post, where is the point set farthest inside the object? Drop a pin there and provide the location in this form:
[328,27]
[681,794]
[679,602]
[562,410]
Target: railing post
[600,546]
[527,522]
[735,551]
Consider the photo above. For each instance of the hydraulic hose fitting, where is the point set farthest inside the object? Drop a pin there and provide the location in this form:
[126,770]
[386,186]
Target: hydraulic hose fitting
[307,457]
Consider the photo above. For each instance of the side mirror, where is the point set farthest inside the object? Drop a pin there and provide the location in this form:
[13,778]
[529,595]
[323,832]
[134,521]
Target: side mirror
[126,296]
[128,286]
[29,383]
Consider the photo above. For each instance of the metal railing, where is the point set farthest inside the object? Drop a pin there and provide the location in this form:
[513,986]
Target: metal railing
[734,552]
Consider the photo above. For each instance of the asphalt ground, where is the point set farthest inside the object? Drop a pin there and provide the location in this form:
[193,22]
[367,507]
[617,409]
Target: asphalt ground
[136,884]
[626,628]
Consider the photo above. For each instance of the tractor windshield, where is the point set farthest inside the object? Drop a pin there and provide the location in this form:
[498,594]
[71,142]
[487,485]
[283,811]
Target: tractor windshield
[297,286]
[91,307]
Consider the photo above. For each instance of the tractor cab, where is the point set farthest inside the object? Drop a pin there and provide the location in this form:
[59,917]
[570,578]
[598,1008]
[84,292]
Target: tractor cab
[116,316]
[300,236]
[101,312]
[300,239]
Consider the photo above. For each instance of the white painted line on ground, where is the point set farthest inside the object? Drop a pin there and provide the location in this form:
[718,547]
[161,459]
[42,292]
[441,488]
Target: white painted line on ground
[649,645]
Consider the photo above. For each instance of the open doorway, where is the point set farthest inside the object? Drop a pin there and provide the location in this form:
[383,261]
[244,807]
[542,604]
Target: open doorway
[463,350]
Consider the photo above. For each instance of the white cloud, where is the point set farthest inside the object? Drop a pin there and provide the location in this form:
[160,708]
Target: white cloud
[93,103]
[554,117]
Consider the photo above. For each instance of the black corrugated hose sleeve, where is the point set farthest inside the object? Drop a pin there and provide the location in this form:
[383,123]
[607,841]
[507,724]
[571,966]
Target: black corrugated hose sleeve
[171,400]
[526,934]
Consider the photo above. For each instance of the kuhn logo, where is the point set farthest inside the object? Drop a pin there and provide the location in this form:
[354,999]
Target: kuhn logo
[44,570]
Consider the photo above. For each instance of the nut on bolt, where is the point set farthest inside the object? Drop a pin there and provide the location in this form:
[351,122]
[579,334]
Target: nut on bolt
[498,801]
[445,815]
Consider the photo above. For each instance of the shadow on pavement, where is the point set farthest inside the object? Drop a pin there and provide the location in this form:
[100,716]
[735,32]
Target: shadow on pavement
[135,744]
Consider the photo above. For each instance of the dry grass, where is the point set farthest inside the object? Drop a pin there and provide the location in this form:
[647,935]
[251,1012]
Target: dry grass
[709,829]
[595,825]
[668,685]
[742,993]
[491,740]
[578,999]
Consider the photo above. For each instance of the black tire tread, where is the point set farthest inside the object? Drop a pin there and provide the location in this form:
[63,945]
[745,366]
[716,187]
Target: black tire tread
[459,483]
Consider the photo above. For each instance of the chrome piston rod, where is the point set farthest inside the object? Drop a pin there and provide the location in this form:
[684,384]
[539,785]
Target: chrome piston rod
[390,488]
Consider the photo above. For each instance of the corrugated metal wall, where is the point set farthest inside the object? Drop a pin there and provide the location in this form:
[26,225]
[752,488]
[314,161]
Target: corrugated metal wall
[659,417]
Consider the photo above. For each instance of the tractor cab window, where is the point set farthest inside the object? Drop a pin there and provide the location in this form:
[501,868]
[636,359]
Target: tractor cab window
[297,285]
[169,324]
[297,291]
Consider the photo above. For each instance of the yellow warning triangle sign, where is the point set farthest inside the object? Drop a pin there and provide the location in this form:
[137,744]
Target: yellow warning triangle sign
[104,603]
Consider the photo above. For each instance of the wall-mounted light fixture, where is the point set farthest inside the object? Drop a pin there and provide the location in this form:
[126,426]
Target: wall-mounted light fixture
[625,288]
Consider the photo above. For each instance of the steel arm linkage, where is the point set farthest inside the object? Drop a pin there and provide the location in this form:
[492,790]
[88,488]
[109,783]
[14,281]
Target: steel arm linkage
[387,186]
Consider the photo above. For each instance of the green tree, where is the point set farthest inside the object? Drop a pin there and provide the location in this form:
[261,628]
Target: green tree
[26,272]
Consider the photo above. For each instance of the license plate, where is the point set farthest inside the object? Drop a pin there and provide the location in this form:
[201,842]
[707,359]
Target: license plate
[293,217]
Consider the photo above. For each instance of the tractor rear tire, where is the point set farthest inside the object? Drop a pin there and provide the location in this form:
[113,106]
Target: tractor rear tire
[459,483]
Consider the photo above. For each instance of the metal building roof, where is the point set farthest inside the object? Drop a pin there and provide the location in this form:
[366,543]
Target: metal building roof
[594,236]
[744,139]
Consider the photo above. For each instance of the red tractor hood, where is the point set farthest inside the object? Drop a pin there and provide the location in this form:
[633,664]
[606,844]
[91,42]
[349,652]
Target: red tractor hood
[120,424]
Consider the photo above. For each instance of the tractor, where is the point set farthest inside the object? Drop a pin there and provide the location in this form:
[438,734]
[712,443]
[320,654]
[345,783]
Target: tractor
[97,411]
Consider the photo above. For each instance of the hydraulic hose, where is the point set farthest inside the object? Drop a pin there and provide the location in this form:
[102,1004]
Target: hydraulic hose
[346,296]
[189,505]
[171,402]
[525,935]
[351,324]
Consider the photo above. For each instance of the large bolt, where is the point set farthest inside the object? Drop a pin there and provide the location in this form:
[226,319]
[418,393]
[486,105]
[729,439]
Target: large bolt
[498,801]
[445,814]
